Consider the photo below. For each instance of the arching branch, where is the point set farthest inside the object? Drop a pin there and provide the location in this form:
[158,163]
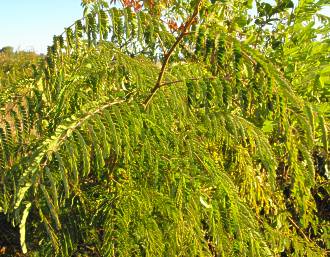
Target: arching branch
[170,52]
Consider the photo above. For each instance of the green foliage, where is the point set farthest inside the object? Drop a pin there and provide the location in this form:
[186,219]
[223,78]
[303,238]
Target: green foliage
[16,66]
[7,50]
[140,137]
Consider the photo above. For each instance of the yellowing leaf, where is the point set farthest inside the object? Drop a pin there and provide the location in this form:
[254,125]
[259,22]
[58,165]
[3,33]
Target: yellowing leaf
[205,204]
[22,227]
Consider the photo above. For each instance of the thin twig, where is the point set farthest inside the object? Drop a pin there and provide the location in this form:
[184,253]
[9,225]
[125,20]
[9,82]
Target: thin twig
[170,52]
[298,228]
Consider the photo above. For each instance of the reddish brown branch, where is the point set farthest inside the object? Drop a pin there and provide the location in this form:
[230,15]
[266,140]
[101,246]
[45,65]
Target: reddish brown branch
[299,229]
[170,52]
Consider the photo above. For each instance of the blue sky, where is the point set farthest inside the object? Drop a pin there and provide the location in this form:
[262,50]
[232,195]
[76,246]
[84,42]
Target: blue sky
[31,24]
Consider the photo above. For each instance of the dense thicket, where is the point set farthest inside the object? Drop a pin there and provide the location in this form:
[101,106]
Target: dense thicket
[15,67]
[173,128]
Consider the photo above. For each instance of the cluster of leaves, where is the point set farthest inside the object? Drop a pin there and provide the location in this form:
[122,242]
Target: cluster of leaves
[136,137]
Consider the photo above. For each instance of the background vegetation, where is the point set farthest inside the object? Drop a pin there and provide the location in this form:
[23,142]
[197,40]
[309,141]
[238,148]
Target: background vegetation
[170,128]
